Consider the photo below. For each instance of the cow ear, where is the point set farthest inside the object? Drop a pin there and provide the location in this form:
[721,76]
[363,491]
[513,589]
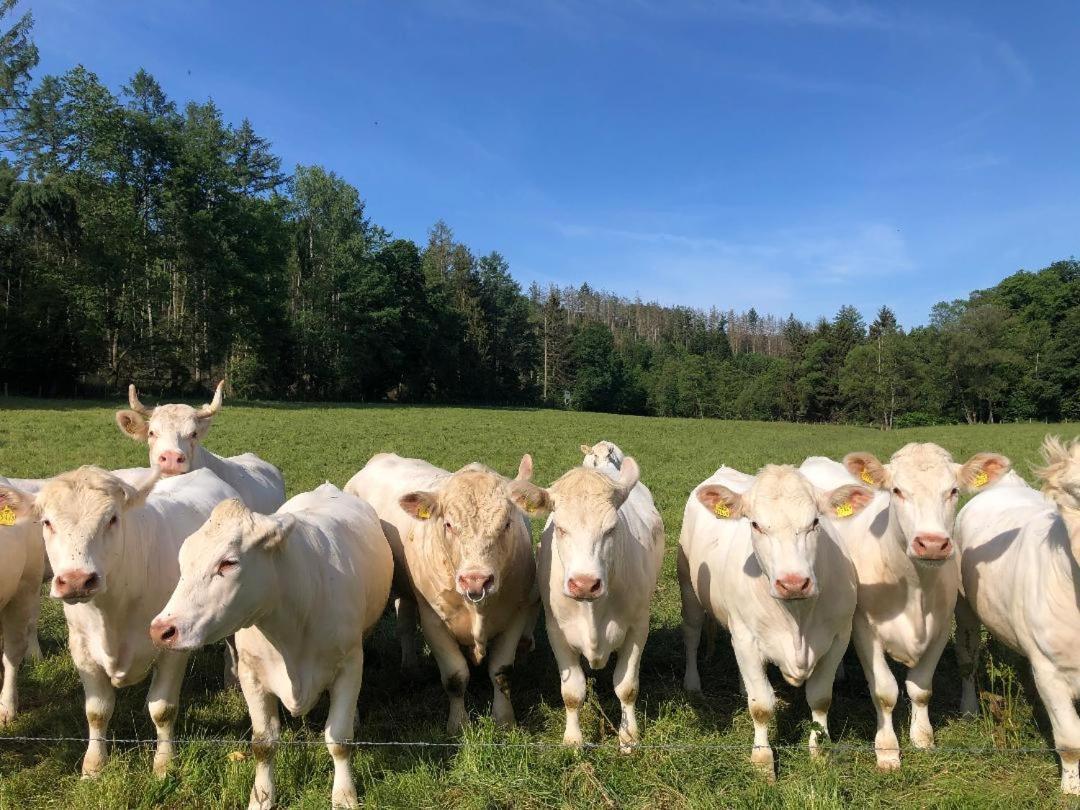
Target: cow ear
[16,506]
[981,470]
[420,505]
[844,502]
[721,501]
[530,499]
[132,424]
[525,468]
[867,468]
[585,449]
[136,496]
[274,530]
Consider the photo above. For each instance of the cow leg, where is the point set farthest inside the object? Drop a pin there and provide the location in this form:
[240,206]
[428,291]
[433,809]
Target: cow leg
[100,699]
[15,629]
[230,660]
[693,618]
[627,667]
[405,622]
[33,646]
[339,728]
[920,687]
[162,700]
[884,691]
[265,730]
[573,681]
[1057,696]
[760,699]
[968,641]
[453,668]
[819,690]
[501,661]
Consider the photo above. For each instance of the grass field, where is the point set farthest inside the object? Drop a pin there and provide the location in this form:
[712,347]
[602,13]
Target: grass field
[316,443]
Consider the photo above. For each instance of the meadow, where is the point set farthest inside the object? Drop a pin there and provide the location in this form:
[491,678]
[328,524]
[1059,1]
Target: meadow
[701,758]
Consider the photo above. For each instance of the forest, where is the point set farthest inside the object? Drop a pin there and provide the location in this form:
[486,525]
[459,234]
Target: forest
[148,240]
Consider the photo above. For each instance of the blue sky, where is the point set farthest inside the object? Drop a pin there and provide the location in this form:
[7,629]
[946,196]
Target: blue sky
[793,155]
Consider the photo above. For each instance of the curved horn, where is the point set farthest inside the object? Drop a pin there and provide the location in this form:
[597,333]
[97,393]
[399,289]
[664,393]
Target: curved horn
[133,401]
[215,404]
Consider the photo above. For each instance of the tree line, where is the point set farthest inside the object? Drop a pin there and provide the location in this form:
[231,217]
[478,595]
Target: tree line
[148,241]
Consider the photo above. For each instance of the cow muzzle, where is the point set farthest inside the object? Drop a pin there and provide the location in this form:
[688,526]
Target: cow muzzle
[172,462]
[164,633]
[794,586]
[76,586]
[475,585]
[931,547]
[584,588]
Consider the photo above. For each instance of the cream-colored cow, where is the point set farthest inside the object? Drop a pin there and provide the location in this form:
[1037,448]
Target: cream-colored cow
[755,556]
[463,558]
[1019,552]
[600,556]
[904,555]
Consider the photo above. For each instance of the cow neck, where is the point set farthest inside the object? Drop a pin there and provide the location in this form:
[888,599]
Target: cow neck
[211,461]
[283,616]
[1070,516]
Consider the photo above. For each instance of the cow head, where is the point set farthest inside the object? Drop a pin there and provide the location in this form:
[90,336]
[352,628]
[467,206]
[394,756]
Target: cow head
[924,486]
[584,506]
[82,515]
[1060,476]
[784,512]
[172,431]
[473,516]
[227,577]
[602,454]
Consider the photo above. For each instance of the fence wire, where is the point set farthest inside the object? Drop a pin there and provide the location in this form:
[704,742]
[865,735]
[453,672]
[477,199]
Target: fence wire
[825,748]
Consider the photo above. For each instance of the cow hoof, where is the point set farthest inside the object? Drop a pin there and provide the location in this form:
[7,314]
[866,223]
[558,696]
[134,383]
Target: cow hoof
[572,740]
[7,716]
[692,684]
[344,799]
[888,764]
[923,740]
[762,759]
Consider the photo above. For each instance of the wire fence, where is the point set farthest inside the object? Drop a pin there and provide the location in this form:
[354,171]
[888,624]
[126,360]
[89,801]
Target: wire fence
[826,747]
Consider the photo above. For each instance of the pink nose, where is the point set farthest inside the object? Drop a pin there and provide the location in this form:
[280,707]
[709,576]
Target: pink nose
[794,586]
[476,584]
[931,546]
[172,461]
[581,587]
[75,584]
[164,633]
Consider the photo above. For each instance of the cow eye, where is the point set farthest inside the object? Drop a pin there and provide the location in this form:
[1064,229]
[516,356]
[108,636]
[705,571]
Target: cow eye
[954,492]
[112,520]
[896,491]
[46,524]
[194,434]
[448,526]
[815,524]
[153,434]
[225,566]
[754,526]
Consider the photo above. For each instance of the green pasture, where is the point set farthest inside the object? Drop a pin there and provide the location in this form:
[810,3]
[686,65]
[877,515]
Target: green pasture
[705,758]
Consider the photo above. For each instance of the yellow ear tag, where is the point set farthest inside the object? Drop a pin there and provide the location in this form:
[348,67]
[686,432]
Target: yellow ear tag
[7,516]
[423,512]
[981,479]
[530,507]
[845,509]
[867,477]
[721,510]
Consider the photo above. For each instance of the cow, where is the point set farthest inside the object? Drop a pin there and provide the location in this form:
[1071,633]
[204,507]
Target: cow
[600,556]
[603,455]
[1019,551]
[463,559]
[301,589]
[908,574]
[22,562]
[755,556]
[175,434]
[113,548]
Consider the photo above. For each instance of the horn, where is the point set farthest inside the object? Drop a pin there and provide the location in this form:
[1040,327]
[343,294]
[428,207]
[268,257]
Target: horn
[214,406]
[133,401]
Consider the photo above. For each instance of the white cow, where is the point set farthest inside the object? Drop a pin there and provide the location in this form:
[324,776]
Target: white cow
[755,556]
[1019,552]
[908,574]
[175,434]
[114,550]
[301,589]
[22,562]
[603,455]
[463,557]
[600,556]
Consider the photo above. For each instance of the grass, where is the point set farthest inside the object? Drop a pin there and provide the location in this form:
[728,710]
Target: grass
[313,443]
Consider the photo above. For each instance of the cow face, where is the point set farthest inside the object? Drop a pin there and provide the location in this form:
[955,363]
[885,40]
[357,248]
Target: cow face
[784,513]
[228,578]
[602,454]
[172,431]
[584,506]
[476,523]
[924,486]
[82,522]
